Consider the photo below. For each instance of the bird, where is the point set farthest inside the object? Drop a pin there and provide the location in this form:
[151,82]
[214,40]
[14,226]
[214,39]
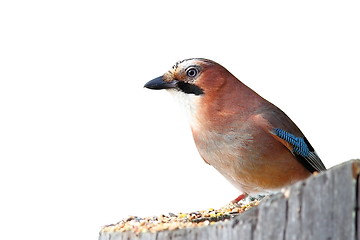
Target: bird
[246,138]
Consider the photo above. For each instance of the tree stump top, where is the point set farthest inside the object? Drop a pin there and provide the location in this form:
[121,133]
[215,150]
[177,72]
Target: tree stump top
[324,206]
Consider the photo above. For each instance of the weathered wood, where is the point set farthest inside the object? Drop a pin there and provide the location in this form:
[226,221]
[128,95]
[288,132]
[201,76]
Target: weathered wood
[322,207]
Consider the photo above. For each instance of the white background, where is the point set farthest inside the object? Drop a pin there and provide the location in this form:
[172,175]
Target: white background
[83,144]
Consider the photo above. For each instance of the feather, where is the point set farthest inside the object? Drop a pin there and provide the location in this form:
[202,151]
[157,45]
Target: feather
[302,149]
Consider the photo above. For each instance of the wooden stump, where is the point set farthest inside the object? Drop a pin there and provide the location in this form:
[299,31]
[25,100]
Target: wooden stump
[321,207]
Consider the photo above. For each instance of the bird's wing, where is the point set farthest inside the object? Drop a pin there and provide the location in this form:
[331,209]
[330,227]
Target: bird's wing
[295,141]
[301,148]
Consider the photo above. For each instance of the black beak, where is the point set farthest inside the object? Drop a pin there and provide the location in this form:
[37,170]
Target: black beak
[159,83]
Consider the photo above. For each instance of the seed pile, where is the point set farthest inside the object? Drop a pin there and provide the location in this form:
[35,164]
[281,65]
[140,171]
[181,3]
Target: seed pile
[173,221]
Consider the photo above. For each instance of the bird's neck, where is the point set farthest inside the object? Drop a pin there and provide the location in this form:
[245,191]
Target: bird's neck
[234,102]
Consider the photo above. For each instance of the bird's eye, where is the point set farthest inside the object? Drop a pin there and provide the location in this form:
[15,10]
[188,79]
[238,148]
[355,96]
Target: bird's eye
[192,72]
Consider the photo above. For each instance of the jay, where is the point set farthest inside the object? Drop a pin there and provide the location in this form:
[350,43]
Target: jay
[250,141]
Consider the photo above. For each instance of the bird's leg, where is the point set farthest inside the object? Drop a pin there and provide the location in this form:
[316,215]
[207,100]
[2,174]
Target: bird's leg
[239,198]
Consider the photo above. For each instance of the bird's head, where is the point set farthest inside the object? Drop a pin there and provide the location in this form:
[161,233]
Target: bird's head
[203,86]
[189,83]
[195,76]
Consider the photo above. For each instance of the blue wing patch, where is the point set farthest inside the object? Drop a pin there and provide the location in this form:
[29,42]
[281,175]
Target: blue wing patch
[302,149]
[299,145]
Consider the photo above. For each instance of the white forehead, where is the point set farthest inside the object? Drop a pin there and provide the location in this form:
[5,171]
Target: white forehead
[185,63]
[190,62]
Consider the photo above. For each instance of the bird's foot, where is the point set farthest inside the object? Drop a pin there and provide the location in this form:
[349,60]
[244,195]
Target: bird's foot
[244,199]
[240,204]
[239,198]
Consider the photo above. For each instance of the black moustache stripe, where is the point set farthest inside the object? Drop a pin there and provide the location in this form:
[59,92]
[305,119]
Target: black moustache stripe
[190,88]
